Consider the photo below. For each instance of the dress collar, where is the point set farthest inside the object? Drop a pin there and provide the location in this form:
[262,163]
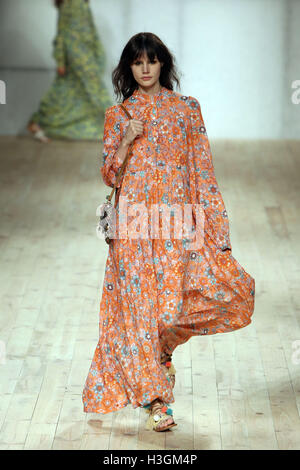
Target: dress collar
[138,95]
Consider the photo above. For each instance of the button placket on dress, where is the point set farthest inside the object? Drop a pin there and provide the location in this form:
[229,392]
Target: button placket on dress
[155,141]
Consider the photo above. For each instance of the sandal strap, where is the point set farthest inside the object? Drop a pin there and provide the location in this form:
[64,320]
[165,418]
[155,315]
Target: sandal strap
[162,408]
[158,407]
[158,412]
[39,134]
[154,420]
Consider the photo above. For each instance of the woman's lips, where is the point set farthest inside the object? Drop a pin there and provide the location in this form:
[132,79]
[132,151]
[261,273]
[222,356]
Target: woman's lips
[146,78]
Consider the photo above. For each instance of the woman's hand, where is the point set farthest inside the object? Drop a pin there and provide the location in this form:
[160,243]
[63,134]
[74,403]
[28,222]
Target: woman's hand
[61,70]
[134,129]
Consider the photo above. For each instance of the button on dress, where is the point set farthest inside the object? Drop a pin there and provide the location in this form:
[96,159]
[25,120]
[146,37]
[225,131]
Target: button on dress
[158,292]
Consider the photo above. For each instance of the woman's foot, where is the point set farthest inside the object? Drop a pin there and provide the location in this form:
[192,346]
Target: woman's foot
[37,132]
[160,416]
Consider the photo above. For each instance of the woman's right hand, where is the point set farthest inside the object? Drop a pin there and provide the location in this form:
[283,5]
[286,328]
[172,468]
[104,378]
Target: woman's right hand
[135,128]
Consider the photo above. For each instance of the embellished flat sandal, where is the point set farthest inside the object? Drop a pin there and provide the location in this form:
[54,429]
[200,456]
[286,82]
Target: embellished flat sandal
[41,136]
[158,413]
[37,132]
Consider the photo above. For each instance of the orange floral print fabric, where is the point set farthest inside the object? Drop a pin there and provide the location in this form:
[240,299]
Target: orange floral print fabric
[157,292]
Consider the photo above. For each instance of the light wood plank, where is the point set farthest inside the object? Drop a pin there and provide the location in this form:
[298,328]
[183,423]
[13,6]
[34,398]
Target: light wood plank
[233,391]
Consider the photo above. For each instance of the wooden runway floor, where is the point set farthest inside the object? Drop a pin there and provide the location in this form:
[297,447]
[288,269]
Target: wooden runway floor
[238,390]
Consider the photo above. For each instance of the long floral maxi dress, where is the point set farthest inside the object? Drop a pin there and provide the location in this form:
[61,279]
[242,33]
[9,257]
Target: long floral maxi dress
[156,292]
[74,106]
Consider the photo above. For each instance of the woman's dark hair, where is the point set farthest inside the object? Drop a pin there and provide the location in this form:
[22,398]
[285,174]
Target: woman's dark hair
[123,80]
[59,2]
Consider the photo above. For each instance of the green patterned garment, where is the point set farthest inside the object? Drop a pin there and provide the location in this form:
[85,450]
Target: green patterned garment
[74,106]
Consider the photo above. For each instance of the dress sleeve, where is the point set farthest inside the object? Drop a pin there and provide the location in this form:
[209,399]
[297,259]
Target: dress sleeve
[111,141]
[59,53]
[207,191]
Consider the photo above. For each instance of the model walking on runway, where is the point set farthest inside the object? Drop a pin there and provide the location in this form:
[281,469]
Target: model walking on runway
[74,106]
[158,293]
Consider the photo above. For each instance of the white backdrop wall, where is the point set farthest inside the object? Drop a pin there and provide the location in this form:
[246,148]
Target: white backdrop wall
[238,57]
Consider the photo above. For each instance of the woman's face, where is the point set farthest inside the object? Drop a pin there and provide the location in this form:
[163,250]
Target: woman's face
[143,67]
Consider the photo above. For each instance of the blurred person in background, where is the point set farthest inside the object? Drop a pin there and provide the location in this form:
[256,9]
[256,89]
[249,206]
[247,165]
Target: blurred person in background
[74,106]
